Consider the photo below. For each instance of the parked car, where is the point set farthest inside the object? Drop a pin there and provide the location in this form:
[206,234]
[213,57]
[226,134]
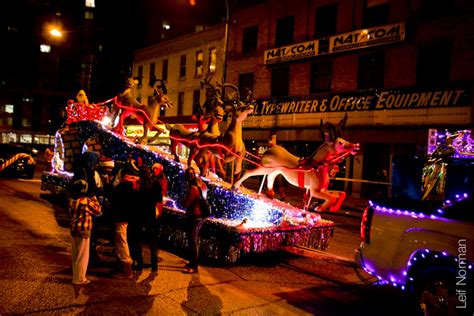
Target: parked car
[425,248]
[21,167]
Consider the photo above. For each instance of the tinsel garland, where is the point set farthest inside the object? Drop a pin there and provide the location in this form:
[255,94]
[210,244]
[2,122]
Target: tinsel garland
[226,240]
[242,222]
[77,112]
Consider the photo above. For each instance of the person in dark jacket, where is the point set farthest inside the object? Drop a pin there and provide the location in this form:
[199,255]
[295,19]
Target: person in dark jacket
[85,169]
[196,190]
[124,200]
[153,186]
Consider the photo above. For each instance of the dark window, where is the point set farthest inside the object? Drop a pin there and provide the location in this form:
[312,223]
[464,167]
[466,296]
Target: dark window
[164,70]
[140,75]
[246,85]
[162,111]
[249,39]
[326,21]
[150,99]
[376,15]
[436,8]
[284,31]
[321,77]
[180,103]
[371,70]
[152,77]
[182,66]
[433,63]
[280,81]
[196,97]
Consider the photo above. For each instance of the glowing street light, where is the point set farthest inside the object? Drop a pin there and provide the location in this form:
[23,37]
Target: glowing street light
[55,32]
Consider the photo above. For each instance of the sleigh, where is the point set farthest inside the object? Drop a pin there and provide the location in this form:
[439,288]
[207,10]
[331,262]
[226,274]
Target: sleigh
[242,223]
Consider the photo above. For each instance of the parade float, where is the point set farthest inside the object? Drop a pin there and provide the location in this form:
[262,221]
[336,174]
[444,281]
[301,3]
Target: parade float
[242,221]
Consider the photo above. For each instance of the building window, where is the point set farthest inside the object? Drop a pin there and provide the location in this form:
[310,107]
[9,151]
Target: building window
[246,85]
[371,70]
[433,63]
[196,98]
[280,81]
[436,8]
[45,48]
[284,31]
[375,14]
[88,15]
[321,77]
[140,75]
[326,21]
[9,108]
[249,39]
[164,70]
[199,63]
[90,3]
[180,103]
[212,60]
[152,76]
[182,66]
[25,122]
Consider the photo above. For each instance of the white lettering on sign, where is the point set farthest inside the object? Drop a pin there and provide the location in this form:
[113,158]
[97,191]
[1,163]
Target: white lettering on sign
[297,51]
[374,36]
[367,37]
[366,101]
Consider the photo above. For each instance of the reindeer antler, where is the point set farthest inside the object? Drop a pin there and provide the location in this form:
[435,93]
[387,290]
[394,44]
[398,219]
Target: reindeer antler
[233,87]
[341,125]
[206,82]
[249,95]
[161,86]
[328,131]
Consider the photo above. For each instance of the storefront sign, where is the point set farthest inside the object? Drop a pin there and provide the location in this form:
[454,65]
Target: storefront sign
[370,100]
[137,131]
[379,35]
[292,52]
[374,36]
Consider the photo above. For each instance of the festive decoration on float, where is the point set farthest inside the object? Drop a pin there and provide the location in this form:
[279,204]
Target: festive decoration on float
[9,162]
[243,221]
[77,112]
[446,146]
[459,144]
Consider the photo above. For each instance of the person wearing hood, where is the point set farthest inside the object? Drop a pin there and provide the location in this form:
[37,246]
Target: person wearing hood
[85,169]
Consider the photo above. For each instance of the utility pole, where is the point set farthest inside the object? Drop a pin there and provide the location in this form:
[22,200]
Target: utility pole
[226,40]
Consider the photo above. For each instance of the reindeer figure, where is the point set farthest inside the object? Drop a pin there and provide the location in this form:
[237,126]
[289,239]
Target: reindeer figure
[230,146]
[311,173]
[146,115]
[209,116]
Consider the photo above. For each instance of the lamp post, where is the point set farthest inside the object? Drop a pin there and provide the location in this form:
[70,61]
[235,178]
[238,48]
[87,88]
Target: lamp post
[226,40]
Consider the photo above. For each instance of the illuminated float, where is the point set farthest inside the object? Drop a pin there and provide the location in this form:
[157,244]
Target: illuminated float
[242,222]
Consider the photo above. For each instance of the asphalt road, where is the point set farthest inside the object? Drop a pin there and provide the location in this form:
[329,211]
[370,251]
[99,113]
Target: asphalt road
[35,275]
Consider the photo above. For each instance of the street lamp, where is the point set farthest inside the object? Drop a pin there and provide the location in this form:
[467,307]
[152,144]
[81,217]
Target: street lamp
[55,32]
[226,40]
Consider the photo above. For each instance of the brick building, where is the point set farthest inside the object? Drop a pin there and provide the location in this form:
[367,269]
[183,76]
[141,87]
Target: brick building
[397,68]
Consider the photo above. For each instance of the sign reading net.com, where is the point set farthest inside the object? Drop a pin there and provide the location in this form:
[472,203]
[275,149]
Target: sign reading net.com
[358,39]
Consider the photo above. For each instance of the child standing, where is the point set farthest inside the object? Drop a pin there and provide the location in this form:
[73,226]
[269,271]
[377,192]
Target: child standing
[81,208]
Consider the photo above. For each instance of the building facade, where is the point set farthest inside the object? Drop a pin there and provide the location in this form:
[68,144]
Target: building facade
[397,68]
[182,63]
